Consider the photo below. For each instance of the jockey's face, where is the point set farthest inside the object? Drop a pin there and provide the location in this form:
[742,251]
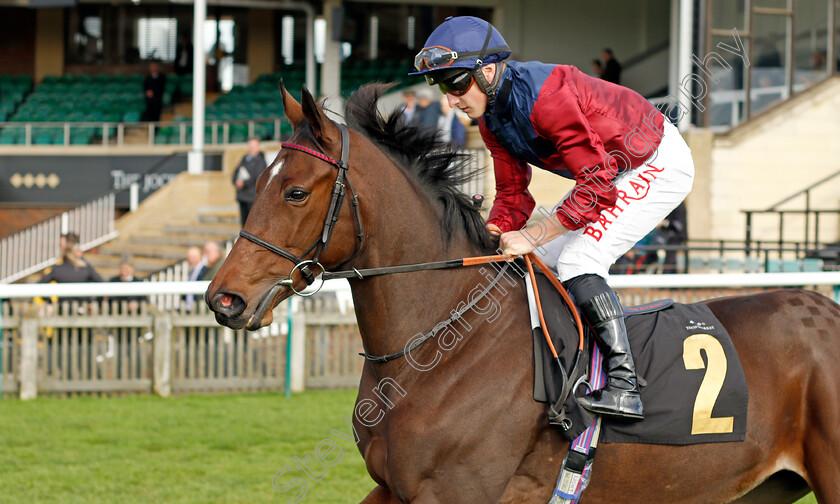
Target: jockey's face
[474,101]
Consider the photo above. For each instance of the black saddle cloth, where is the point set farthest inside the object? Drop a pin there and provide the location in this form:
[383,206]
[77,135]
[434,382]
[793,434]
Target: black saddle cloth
[692,383]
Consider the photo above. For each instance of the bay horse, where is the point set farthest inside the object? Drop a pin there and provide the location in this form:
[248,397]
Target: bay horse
[468,430]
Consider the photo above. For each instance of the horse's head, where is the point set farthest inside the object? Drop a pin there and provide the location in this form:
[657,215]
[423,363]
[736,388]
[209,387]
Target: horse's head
[297,224]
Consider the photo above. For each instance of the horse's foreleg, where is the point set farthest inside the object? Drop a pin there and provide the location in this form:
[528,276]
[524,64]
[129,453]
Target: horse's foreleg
[380,495]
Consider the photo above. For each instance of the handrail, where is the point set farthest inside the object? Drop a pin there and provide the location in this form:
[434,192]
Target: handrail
[803,191]
[650,51]
[36,247]
[220,131]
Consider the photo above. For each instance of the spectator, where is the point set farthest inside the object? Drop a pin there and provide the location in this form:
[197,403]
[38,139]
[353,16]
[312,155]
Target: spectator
[245,177]
[409,106]
[183,56]
[213,257]
[429,110]
[675,232]
[153,88]
[196,271]
[72,267]
[127,275]
[450,127]
[62,243]
[612,69]
[597,69]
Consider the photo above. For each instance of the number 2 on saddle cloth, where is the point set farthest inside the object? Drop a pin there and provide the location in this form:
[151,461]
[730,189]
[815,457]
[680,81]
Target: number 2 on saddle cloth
[693,352]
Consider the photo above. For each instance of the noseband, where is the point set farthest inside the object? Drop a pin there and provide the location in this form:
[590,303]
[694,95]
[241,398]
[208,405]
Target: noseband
[333,211]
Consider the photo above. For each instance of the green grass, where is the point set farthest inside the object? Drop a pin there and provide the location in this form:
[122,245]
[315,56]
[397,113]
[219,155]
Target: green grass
[192,449]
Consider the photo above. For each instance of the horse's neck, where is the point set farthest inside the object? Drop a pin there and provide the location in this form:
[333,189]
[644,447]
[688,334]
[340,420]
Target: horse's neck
[403,227]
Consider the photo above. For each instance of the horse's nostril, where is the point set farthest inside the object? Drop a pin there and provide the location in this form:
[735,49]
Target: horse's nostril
[228,304]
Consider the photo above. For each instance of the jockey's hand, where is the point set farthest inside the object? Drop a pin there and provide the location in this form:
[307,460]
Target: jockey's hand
[515,243]
[494,229]
[525,241]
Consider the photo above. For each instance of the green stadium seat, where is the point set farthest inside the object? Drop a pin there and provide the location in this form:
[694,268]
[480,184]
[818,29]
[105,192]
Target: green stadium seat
[773,266]
[8,138]
[812,265]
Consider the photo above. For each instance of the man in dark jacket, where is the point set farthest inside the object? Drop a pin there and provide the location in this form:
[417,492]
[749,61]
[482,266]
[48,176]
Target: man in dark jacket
[611,68]
[428,110]
[153,88]
[245,177]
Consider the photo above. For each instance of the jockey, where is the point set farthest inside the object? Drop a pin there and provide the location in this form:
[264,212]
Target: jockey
[631,168]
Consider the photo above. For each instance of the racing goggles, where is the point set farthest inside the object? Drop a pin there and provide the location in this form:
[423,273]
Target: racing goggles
[436,57]
[457,85]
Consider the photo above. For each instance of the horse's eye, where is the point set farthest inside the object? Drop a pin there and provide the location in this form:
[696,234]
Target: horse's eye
[296,195]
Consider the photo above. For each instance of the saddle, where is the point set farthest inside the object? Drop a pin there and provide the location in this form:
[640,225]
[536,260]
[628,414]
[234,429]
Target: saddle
[692,383]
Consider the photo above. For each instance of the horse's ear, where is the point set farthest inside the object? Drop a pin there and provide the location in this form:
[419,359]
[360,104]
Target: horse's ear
[320,123]
[290,106]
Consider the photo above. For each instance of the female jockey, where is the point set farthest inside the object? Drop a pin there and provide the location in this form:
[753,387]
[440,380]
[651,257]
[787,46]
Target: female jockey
[631,166]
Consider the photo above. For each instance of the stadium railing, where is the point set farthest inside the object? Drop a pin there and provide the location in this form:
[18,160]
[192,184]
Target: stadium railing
[107,347]
[37,247]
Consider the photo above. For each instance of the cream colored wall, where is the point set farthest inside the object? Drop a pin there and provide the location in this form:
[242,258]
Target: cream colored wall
[697,202]
[49,43]
[772,157]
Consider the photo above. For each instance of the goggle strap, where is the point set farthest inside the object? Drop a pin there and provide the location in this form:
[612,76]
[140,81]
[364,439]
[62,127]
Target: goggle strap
[478,62]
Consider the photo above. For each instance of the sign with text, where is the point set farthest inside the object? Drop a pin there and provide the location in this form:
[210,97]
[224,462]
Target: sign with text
[71,180]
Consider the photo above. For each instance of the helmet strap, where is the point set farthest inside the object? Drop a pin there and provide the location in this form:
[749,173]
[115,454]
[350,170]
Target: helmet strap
[489,88]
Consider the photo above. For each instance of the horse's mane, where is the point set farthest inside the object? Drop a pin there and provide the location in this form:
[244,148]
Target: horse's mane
[432,163]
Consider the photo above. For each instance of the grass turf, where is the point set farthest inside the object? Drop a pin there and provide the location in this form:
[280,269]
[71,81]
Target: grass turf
[191,449]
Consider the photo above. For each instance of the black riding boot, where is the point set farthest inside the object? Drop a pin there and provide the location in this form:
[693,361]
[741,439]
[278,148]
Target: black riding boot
[621,395]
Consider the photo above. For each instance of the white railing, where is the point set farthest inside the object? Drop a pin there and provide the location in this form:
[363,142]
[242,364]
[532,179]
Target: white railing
[36,247]
[108,134]
[690,281]
[476,163]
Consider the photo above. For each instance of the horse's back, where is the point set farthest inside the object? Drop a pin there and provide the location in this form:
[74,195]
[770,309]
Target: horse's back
[802,326]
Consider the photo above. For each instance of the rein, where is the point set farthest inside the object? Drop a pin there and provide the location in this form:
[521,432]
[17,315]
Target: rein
[322,242]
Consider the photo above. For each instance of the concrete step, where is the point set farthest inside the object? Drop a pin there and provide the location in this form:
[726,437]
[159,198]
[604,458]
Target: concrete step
[211,214]
[175,240]
[164,252]
[219,218]
[222,229]
[142,264]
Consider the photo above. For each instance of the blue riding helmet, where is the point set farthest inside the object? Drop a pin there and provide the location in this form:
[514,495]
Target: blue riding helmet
[461,42]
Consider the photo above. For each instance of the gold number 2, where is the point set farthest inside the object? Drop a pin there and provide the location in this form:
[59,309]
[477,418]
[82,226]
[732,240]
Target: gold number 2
[702,421]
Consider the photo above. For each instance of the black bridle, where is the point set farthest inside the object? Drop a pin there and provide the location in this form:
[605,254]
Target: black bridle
[333,211]
[322,242]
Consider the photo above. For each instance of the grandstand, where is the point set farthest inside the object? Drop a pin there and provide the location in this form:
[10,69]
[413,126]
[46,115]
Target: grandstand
[86,109]
[71,87]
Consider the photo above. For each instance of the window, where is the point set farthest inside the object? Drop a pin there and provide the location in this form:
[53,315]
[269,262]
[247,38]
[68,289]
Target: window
[156,38]
[288,45]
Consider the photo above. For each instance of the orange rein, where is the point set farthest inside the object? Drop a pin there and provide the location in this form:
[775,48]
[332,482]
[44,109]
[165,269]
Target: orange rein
[563,293]
[529,258]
